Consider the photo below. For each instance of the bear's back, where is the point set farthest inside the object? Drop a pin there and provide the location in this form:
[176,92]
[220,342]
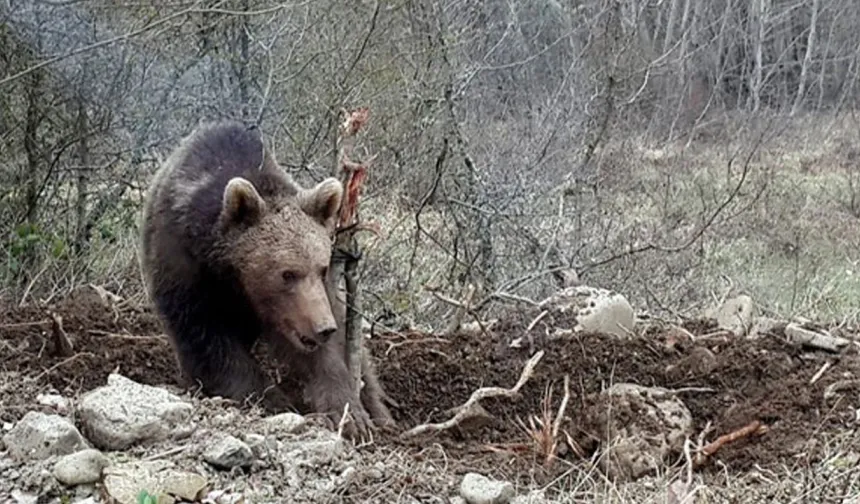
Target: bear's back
[188,195]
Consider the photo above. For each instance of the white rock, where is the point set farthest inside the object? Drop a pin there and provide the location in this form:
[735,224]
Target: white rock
[533,497]
[229,452]
[801,336]
[20,497]
[596,310]
[37,436]
[123,482]
[285,423]
[58,402]
[478,489]
[736,315]
[124,412]
[81,467]
[763,325]
[261,446]
[319,450]
[641,426]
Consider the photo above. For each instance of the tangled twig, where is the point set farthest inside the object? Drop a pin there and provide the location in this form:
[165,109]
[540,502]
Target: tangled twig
[471,407]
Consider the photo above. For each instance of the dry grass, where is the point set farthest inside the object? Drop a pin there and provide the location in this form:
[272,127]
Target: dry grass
[790,240]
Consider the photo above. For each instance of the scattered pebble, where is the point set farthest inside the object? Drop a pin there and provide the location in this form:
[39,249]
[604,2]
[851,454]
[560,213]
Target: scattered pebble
[38,435]
[287,423]
[736,315]
[478,489]
[56,401]
[228,453]
[24,498]
[314,452]
[81,467]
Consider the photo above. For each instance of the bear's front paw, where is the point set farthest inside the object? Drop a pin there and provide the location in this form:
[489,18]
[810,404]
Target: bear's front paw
[357,425]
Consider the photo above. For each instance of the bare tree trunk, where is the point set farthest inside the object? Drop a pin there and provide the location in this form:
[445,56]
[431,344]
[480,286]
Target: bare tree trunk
[684,82]
[757,14]
[670,26]
[822,73]
[31,128]
[807,58]
[81,221]
[241,62]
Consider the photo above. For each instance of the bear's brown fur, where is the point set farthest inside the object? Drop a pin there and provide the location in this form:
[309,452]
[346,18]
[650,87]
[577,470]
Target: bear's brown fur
[233,250]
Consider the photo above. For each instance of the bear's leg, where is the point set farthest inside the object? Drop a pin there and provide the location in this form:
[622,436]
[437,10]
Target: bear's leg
[224,367]
[329,389]
[372,394]
[212,352]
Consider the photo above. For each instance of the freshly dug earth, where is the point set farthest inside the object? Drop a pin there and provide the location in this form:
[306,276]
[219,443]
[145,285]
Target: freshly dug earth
[725,381]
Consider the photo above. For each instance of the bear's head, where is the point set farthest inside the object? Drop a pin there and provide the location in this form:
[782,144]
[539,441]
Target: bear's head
[281,254]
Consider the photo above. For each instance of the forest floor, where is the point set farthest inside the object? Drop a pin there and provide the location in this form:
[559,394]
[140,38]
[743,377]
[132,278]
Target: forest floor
[809,452]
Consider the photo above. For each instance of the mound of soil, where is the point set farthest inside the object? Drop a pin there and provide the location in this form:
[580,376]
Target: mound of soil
[104,339]
[725,382]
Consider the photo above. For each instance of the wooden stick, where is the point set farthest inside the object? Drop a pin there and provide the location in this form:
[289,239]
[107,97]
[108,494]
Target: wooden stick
[754,427]
[467,410]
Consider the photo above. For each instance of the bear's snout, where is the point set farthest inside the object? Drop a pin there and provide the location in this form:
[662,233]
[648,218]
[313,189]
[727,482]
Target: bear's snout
[325,333]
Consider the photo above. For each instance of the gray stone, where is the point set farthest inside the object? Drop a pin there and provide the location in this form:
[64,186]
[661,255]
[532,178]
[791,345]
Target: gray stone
[123,482]
[81,467]
[801,336]
[736,315]
[285,423]
[124,412]
[313,452]
[533,497]
[20,497]
[478,489]
[228,453]
[641,426]
[38,436]
[596,310]
[56,401]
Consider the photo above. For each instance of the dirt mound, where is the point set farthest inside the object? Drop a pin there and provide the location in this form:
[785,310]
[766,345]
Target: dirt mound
[105,339]
[726,382]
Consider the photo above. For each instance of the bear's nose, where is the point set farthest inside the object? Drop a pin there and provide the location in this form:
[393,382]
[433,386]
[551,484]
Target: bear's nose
[324,334]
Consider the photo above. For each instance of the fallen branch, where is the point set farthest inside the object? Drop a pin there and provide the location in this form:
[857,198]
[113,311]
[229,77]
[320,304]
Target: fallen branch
[513,297]
[58,365]
[392,346]
[21,325]
[817,376]
[835,387]
[130,337]
[469,408]
[801,336]
[755,427]
[462,308]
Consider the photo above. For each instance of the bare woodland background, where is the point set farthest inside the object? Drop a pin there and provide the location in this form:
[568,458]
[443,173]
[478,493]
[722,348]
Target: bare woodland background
[673,150]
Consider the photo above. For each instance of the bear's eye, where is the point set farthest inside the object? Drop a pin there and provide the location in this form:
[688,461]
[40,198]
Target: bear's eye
[289,276]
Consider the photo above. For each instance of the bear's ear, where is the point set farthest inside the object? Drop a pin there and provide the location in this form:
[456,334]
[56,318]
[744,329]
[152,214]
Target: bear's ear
[242,204]
[322,202]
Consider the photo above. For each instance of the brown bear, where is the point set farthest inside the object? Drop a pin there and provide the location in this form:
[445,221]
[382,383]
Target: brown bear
[232,251]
